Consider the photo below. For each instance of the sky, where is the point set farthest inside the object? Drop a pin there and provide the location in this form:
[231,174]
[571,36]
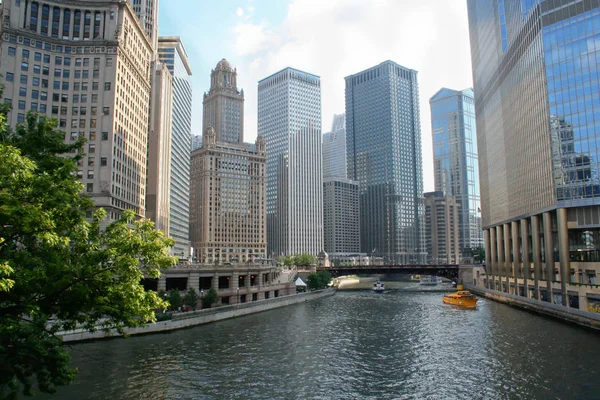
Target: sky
[329,38]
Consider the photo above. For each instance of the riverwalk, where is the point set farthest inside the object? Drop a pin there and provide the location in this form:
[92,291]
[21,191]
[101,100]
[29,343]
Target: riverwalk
[200,317]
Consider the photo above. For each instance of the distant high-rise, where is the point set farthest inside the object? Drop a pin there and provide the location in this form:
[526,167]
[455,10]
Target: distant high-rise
[196,142]
[535,71]
[455,166]
[441,228]
[383,145]
[224,104]
[341,222]
[158,191]
[289,118]
[172,53]
[334,150]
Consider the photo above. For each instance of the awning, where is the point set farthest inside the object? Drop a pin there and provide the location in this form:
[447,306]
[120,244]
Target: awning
[300,282]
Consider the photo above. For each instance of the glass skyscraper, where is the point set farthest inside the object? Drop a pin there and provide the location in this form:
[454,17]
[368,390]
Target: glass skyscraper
[173,54]
[334,150]
[383,145]
[536,69]
[289,118]
[455,166]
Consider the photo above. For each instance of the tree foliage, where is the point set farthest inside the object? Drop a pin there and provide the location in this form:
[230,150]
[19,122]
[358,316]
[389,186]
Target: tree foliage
[59,271]
[174,299]
[211,297]
[479,255]
[318,280]
[191,298]
[304,260]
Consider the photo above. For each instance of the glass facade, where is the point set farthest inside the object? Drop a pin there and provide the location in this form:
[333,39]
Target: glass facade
[172,53]
[334,150]
[456,168]
[383,145]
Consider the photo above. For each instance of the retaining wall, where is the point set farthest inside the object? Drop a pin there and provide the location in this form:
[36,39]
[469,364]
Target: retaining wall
[188,319]
[584,318]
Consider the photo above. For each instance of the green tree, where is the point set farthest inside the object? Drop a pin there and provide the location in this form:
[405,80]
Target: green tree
[304,260]
[191,298]
[211,297]
[174,298]
[318,280]
[288,261]
[59,271]
[479,254]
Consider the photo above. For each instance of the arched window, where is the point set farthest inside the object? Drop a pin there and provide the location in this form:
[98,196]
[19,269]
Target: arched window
[87,25]
[55,21]
[33,20]
[77,25]
[66,24]
[45,17]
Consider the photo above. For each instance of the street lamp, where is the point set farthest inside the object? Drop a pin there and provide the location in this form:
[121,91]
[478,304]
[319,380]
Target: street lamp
[201,297]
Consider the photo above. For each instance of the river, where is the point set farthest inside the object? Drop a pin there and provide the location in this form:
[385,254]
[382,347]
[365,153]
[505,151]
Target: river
[353,345]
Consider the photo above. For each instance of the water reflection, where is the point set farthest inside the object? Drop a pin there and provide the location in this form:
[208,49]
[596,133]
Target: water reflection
[352,345]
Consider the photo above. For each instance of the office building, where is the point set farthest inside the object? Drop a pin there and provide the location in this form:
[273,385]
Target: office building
[224,104]
[85,65]
[442,228]
[535,70]
[227,202]
[289,118]
[196,142]
[147,13]
[172,53]
[383,145]
[228,182]
[341,222]
[334,150]
[158,191]
[455,165]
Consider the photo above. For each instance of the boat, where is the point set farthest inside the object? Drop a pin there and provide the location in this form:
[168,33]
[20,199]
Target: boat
[462,298]
[378,287]
[429,280]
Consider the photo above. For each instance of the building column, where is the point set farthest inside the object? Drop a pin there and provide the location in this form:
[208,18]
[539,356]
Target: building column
[215,282]
[235,281]
[525,255]
[488,256]
[162,283]
[548,254]
[494,255]
[516,255]
[537,254]
[563,251]
[501,254]
[194,281]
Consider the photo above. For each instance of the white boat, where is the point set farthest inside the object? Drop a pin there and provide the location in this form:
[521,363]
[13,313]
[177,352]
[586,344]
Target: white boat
[378,287]
[429,280]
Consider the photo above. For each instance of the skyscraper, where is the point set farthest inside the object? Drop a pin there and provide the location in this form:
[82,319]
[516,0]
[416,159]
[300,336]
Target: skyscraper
[289,118]
[196,142]
[383,145]
[172,53]
[334,149]
[228,180]
[455,166]
[80,65]
[441,228]
[147,13]
[535,69]
[341,219]
[224,104]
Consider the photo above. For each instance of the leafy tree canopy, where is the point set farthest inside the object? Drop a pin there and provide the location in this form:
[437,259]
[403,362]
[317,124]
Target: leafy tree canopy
[318,280]
[211,297]
[59,271]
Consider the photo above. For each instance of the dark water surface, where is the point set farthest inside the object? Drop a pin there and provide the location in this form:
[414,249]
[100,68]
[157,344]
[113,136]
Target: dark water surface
[354,345]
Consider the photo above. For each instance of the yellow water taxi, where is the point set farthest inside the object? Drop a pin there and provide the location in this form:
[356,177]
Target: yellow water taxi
[462,298]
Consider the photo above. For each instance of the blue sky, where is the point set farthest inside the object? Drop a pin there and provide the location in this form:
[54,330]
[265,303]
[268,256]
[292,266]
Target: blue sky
[329,38]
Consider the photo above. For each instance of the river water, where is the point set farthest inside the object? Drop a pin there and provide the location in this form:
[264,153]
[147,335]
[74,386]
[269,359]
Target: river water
[353,345]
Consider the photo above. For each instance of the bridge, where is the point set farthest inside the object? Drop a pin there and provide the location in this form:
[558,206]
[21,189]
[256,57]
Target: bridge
[449,271]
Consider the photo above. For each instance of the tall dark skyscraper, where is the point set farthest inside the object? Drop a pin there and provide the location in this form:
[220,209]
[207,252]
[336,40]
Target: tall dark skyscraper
[536,68]
[383,145]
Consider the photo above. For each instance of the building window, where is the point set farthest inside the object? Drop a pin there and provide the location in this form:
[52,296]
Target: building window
[35,94]
[36,68]
[25,53]
[12,51]
[21,104]
[20,117]
[23,79]
[91,148]
[43,108]
[105,110]
[66,24]
[104,135]
[45,17]
[106,85]
[22,92]
[24,66]
[103,161]
[10,77]
[35,81]
[90,187]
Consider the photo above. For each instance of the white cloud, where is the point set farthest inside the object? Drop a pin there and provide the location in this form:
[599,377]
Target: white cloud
[336,38]
[239,12]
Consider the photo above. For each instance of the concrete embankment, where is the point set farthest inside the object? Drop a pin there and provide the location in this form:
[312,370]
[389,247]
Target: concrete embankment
[584,318]
[193,318]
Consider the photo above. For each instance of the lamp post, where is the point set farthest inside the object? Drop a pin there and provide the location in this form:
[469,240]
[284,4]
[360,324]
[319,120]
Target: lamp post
[238,295]
[201,298]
